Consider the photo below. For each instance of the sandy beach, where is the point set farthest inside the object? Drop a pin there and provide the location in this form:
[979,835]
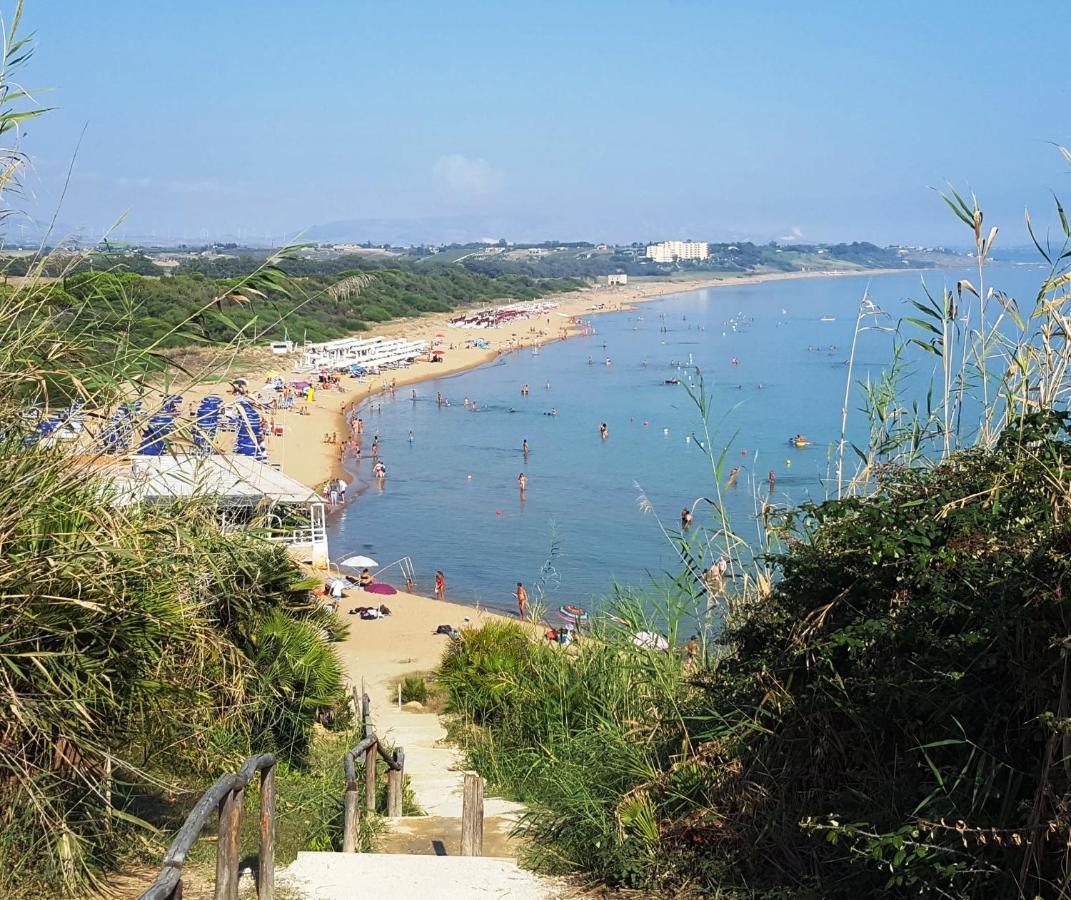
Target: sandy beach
[302,452]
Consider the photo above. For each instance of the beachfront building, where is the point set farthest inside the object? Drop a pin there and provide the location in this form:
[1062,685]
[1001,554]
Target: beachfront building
[671,251]
[245,492]
[368,353]
[618,278]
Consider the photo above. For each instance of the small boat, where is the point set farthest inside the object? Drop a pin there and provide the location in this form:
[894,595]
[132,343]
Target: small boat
[673,381]
[828,319]
[799,441]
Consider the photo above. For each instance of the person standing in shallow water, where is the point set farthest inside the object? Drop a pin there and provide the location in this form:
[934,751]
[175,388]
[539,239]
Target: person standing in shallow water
[524,448]
[522,600]
[522,483]
[440,585]
[604,432]
[686,519]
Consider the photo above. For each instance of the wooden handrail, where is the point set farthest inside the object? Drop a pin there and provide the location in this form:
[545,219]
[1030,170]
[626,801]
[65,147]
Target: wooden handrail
[226,796]
[369,748]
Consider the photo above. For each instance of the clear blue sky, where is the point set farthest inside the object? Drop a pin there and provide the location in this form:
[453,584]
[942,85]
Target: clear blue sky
[596,120]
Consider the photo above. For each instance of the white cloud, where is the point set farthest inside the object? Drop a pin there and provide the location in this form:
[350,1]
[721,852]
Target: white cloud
[794,235]
[467,175]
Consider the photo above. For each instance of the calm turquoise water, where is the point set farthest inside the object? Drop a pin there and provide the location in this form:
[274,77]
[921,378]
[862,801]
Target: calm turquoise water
[583,492]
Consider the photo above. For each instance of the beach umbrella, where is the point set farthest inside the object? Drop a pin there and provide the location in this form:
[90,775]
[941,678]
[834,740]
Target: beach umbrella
[573,613]
[358,562]
[649,640]
[384,589]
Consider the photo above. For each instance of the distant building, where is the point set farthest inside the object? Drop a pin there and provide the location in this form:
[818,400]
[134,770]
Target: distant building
[670,251]
[618,278]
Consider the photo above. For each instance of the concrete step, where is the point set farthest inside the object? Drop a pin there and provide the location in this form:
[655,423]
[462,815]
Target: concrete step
[349,876]
[441,836]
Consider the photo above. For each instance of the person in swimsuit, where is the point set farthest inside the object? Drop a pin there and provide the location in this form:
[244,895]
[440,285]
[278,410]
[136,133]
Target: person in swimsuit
[440,585]
[604,432]
[522,599]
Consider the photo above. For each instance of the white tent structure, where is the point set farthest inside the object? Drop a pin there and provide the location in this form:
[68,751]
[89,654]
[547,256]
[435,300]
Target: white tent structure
[369,353]
[241,488]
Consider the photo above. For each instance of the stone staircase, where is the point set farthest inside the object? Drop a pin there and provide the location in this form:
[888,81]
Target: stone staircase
[344,876]
[420,856]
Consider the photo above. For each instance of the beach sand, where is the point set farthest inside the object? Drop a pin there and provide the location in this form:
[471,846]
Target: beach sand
[302,452]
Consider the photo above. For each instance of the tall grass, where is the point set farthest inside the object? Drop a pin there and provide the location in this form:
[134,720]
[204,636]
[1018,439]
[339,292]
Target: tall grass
[138,646]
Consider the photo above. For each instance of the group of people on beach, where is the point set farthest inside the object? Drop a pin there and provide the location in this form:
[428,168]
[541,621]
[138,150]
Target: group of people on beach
[334,491]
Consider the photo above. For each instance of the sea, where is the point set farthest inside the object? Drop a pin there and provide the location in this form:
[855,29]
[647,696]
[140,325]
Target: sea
[772,360]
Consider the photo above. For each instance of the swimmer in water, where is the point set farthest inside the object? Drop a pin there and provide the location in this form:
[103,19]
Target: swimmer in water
[410,437]
[732,476]
[686,519]
[524,448]
[772,479]
[522,482]
[604,432]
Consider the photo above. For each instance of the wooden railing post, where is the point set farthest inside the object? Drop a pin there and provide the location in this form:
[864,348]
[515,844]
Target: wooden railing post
[472,816]
[366,714]
[370,777]
[230,822]
[350,823]
[266,862]
[395,781]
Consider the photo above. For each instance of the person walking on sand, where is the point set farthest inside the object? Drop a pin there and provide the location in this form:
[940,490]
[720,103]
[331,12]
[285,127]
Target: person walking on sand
[522,600]
[440,585]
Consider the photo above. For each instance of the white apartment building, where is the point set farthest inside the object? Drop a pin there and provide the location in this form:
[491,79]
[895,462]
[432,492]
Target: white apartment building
[669,251]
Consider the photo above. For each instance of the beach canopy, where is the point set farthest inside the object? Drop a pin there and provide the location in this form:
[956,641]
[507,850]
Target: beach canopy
[358,562]
[302,385]
[573,613]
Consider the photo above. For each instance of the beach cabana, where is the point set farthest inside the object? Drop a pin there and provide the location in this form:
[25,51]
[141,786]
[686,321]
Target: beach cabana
[245,491]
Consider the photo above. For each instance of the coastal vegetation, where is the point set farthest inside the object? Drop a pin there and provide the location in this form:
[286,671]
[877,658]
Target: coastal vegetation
[179,310]
[142,648]
[278,294]
[880,705]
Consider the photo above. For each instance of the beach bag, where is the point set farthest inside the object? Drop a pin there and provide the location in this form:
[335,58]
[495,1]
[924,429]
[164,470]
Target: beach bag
[444,629]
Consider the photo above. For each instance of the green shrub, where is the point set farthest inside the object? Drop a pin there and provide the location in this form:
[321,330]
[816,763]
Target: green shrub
[414,687]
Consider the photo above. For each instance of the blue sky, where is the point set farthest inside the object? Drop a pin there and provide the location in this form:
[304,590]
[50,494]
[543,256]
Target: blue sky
[582,120]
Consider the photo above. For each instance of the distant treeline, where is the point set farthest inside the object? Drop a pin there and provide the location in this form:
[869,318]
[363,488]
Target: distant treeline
[739,258]
[180,309]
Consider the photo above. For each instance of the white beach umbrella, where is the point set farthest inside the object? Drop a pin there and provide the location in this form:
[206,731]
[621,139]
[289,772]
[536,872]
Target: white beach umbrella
[358,562]
[649,640]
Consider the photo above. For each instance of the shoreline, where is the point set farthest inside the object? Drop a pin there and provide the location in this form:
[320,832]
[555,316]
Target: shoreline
[306,450]
[625,297]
